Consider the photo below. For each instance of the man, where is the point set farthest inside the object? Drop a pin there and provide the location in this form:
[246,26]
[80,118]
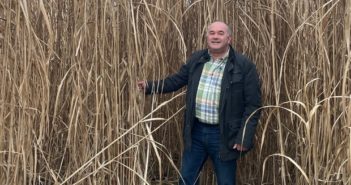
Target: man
[222,101]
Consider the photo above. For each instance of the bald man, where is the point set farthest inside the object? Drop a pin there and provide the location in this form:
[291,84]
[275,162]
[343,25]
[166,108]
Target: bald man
[222,101]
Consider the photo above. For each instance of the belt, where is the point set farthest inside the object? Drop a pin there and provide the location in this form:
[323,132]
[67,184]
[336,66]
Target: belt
[197,121]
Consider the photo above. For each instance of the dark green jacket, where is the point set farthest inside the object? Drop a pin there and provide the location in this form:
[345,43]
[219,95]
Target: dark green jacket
[240,98]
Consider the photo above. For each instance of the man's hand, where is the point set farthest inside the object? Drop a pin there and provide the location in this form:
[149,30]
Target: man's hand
[142,85]
[239,147]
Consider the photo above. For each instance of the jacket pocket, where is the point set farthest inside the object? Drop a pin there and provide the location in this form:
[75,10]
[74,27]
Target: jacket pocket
[232,129]
[237,77]
[237,82]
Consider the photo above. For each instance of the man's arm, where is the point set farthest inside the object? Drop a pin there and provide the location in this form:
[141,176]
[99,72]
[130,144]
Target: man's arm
[252,98]
[169,84]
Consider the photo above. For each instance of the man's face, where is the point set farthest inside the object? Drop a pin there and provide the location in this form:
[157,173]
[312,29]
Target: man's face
[218,38]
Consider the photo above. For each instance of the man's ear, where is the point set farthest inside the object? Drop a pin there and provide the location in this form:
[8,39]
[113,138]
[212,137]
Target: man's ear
[229,39]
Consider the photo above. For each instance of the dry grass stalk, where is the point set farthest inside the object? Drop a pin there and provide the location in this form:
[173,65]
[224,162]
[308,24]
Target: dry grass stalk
[70,112]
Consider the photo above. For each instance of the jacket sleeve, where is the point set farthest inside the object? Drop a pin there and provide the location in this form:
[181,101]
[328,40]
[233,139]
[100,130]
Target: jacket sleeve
[252,103]
[170,83]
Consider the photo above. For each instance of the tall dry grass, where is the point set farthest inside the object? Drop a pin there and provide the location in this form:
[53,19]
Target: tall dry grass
[70,112]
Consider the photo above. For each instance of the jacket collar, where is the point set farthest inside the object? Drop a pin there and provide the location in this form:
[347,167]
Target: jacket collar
[205,57]
[231,58]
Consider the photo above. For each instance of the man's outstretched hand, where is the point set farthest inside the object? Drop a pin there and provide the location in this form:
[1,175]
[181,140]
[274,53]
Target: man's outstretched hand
[142,85]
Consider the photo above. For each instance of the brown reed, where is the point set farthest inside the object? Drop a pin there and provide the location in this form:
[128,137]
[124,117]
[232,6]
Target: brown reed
[71,113]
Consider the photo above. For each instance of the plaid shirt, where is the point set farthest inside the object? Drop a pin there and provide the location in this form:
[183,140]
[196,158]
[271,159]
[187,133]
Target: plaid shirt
[209,89]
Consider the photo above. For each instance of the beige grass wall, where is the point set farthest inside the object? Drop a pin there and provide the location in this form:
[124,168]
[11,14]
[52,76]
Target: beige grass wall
[70,112]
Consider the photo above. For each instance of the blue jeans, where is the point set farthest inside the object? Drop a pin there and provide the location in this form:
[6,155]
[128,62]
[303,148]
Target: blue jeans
[205,143]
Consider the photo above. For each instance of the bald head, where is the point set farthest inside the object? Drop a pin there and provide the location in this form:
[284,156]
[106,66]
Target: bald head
[220,23]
